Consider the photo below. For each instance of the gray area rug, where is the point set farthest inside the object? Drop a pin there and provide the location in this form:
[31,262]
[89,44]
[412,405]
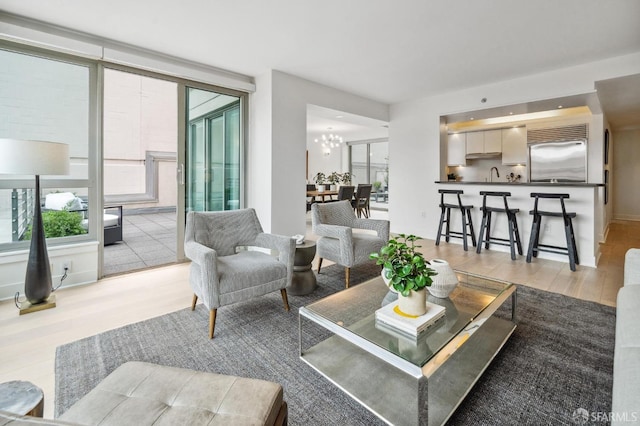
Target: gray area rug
[559,359]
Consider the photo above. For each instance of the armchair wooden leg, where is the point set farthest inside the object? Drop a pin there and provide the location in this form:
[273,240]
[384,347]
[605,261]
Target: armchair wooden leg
[319,264]
[347,272]
[283,291]
[212,322]
[193,302]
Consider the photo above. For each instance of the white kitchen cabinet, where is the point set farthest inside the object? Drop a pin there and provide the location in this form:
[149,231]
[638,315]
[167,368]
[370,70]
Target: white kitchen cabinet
[456,150]
[493,140]
[484,142]
[514,146]
[475,142]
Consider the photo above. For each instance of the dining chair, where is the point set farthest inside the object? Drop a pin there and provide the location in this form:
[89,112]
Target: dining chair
[361,202]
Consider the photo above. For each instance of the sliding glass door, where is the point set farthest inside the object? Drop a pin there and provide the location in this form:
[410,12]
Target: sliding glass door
[213,172]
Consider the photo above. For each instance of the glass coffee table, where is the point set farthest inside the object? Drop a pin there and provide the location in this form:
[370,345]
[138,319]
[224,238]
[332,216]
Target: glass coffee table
[404,380]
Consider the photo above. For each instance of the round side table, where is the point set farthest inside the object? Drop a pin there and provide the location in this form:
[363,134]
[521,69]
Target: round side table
[304,280]
[23,398]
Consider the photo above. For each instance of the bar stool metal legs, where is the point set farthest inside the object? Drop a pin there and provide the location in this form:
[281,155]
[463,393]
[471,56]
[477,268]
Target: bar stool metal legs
[445,218]
[571,249]
[485,228]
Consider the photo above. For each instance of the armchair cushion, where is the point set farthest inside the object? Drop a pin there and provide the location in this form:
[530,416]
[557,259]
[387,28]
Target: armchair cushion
[62,201]
[240,271]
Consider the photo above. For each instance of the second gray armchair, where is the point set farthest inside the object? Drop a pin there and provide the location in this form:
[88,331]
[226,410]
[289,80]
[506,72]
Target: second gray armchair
[335,224]
[225,266]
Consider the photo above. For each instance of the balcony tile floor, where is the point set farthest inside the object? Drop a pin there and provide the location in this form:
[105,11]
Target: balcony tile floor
[148,240]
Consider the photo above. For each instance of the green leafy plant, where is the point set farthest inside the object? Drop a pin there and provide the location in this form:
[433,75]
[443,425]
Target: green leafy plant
[404,265]
[347,177]
[377,185]
[319,178]
[59,223]
[334,178]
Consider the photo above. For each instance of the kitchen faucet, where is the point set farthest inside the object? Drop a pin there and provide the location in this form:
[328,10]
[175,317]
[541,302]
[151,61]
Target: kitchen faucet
[491,173]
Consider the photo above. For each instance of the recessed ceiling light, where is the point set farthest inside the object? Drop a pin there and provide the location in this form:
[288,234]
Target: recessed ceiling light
[339,116]
[470,118]
[559,106]
[510,112]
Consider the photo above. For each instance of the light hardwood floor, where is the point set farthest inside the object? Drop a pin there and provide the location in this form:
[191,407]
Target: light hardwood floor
[28,342]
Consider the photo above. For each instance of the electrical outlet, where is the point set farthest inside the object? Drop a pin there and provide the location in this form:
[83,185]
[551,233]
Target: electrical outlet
[547,228]
[424,215]
[66,266]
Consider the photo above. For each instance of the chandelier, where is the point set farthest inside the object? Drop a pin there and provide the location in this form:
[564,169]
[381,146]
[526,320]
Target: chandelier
[331,141]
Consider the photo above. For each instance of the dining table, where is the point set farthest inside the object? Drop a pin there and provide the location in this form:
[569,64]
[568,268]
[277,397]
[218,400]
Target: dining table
[321,195]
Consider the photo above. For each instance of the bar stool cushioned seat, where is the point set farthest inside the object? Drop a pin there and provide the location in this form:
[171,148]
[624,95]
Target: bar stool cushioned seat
[485,228]
[534,239]
[445,217]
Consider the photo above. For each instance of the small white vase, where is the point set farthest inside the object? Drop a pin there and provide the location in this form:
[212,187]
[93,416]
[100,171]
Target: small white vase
[320,188]
[415,304]
[446,280]
[387,280]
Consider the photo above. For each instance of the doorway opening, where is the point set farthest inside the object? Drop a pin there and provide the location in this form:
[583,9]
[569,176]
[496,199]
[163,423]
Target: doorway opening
[140,187]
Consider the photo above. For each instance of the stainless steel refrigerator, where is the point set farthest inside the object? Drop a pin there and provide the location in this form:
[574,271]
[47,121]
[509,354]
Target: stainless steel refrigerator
[564,161]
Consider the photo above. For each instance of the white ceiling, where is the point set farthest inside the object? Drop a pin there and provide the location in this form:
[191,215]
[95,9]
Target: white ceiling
[383,50]
[351,127]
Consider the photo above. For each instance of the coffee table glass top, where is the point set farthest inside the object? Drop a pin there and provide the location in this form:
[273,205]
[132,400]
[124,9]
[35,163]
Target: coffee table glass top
[352,312]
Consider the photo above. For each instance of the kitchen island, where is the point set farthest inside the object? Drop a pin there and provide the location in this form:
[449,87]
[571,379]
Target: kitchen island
[586,200]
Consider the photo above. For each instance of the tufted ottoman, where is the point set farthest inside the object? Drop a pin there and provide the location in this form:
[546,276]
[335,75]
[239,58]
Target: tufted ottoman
[139,393]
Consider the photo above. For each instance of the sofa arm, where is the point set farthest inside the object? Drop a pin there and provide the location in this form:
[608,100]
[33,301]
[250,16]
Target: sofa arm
[632,267]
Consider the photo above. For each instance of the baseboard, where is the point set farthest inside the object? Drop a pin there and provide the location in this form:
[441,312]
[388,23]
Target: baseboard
[627,217]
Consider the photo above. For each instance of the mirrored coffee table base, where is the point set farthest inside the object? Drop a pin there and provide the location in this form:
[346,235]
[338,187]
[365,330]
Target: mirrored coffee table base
[405,382]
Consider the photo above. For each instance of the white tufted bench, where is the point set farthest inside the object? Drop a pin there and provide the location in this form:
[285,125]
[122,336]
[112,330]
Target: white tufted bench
[143,394]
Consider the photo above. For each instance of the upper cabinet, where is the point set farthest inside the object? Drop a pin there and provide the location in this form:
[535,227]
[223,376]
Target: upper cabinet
[493,141]
[488,141]
[514,146]
[456,150]
[475,143]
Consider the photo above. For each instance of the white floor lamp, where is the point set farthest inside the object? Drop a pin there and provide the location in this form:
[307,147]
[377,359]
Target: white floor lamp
[27,157]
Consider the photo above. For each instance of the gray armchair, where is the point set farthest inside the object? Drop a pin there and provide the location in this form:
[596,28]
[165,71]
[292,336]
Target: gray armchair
[334,223]
[225,267]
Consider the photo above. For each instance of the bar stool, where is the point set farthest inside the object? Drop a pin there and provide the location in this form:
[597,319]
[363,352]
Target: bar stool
[465,211]
[534,239]
[485,229]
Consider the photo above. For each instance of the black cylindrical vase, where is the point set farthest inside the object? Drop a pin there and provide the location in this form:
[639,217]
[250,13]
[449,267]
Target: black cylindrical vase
[37,282]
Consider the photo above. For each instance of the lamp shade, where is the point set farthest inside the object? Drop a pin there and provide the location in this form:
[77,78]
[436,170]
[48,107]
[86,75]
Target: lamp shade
[27,157]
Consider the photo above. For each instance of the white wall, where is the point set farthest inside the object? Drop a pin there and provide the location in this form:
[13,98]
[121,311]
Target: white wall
[416,153]
[277,145]
[319,161]
[626,174]
[83,258]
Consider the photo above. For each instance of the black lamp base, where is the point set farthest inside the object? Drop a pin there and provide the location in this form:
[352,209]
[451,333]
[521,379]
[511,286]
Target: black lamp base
[37,283]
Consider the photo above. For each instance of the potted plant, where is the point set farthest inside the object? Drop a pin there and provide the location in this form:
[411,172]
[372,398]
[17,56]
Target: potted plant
[334,179]
[377,185]
[319,179]
[347,177]
[408,272]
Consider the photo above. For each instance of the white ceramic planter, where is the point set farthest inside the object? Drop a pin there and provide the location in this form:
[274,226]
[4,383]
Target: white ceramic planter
[446,280]
[415,304]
